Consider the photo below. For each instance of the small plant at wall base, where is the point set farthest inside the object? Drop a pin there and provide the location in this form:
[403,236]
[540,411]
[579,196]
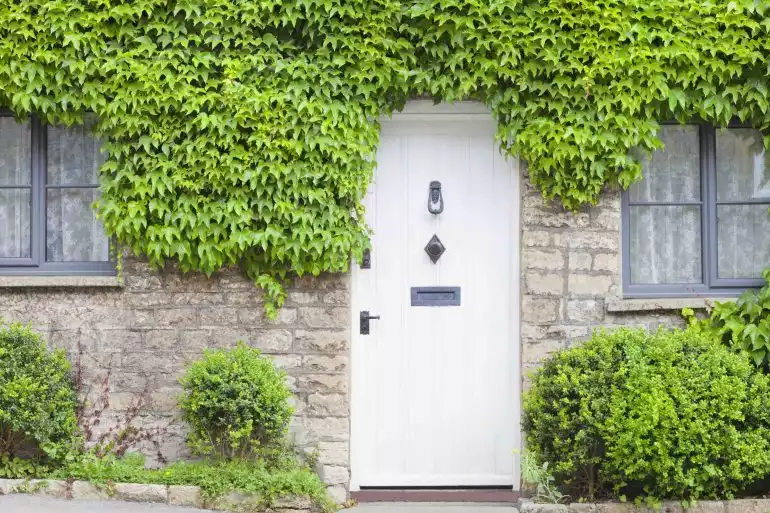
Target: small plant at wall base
[38,423]
[650,416]
[245,132]
[237,405]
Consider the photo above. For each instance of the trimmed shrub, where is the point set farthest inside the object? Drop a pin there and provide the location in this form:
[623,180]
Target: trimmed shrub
[664,415]
[38,404]
[236,403]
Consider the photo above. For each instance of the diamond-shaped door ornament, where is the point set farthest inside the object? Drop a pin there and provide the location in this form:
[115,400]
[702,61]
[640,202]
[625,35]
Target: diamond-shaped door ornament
[435,248]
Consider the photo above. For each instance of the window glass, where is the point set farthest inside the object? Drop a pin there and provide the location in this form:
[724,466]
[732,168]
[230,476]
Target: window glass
[73,233]
[665,244]
[673,173]
[742,171]
[15,190]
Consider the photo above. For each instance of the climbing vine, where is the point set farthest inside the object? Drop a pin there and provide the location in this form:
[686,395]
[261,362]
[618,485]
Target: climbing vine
[245,131]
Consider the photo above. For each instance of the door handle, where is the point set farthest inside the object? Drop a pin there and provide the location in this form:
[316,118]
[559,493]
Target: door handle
[364,321]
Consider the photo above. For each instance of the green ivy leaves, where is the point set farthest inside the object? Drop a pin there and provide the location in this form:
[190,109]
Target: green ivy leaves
[244,132]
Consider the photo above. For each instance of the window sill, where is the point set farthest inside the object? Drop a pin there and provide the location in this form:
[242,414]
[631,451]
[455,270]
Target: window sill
[621,305]
[59,281]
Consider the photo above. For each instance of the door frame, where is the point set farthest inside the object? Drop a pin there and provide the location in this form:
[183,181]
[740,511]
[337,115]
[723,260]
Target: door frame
[426,110]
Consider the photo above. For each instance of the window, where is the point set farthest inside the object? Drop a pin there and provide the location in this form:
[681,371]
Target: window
[48,182]
[698,222]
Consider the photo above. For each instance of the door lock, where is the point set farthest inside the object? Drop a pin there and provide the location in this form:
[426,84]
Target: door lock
[365,318]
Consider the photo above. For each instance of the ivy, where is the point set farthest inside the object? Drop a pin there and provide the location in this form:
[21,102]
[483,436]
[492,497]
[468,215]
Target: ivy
[244,132]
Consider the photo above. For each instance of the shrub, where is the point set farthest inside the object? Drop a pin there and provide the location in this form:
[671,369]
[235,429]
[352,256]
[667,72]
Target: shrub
[236,403]
[664,415]
[38,422]
[743,324]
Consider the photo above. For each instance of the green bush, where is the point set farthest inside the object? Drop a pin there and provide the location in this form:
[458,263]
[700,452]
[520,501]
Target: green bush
[743,324]
[664,415]
[236,403]
[38,404]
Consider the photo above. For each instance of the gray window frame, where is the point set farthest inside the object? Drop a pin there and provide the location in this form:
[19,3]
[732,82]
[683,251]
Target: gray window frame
[711,284]
[37,265]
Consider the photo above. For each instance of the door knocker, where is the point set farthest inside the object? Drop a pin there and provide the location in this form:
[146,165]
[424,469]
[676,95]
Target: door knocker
[435,199]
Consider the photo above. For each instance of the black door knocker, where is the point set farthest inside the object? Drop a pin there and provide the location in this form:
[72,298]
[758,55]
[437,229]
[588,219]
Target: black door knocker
[435,198]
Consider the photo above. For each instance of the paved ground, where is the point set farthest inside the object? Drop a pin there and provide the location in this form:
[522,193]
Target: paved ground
[29,504]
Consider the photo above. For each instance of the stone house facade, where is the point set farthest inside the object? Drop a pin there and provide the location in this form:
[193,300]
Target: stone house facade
[132,336]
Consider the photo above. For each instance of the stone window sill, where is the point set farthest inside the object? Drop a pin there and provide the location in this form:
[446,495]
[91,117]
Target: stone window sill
[59,281]
[621,305]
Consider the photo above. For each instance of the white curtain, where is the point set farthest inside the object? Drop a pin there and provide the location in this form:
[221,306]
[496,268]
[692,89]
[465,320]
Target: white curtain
[73,234]
[15,195]
[743,231]
[666,239]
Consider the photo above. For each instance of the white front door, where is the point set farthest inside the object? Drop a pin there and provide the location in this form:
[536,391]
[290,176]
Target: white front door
[435,388]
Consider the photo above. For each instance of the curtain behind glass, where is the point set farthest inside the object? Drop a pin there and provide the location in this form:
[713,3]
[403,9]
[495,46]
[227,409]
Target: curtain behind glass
[73,234]
[15,188]
[666,239]
[743,173]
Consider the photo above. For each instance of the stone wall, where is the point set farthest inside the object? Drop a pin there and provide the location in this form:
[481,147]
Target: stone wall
[134,342]
[570,277]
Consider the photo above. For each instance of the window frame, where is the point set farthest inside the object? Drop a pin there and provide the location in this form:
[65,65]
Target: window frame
[37,265]
[711,284]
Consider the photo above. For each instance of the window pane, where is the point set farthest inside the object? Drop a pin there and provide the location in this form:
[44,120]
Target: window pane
[742,171]
[15,207]
[74,155]
[671,174]
[15,152]
[665,244]
[73,234]
[743,245]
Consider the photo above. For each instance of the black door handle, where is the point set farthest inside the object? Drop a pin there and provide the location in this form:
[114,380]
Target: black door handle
[364,321]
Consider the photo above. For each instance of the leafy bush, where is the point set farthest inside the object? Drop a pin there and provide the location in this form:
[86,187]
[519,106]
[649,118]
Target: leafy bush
[664,415]
[38,422]
[743,324]
[236,403]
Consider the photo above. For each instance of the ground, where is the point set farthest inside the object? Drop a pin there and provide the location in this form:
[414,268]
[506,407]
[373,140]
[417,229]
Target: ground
[30,504]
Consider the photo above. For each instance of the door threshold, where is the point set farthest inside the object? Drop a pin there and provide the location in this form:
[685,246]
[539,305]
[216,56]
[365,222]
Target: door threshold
[501,495]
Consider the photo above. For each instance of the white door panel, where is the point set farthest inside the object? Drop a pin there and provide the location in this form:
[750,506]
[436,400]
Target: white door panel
[435,389]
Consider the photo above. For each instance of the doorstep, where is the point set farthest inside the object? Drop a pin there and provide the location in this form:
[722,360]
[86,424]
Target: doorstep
[477,495]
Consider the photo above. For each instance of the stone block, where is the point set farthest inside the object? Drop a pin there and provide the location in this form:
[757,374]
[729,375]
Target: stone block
[544,284]
[548,259]
[338,493]
[539,310]
[748,506]
[534,353]
[329,317]
[534,507]
[607,262]
[607,241]
[327,428]
[271,340]
[616,507]
[9,486]
[335,405]
[585,310]
[580,261]
[322,341]
[135,492]
[334,453]
[301,297]
[185,496]
[534,239]
[292,503]
[589,285]
[85,491]
[320,363]
[334,475]
[323,383]
[579,507]
[707,507]
[211,316]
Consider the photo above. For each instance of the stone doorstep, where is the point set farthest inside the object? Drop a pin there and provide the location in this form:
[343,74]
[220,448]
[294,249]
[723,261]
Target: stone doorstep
[728,506]
[176,495]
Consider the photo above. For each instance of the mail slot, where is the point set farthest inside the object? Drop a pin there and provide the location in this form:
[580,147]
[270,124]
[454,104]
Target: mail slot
[435,296]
